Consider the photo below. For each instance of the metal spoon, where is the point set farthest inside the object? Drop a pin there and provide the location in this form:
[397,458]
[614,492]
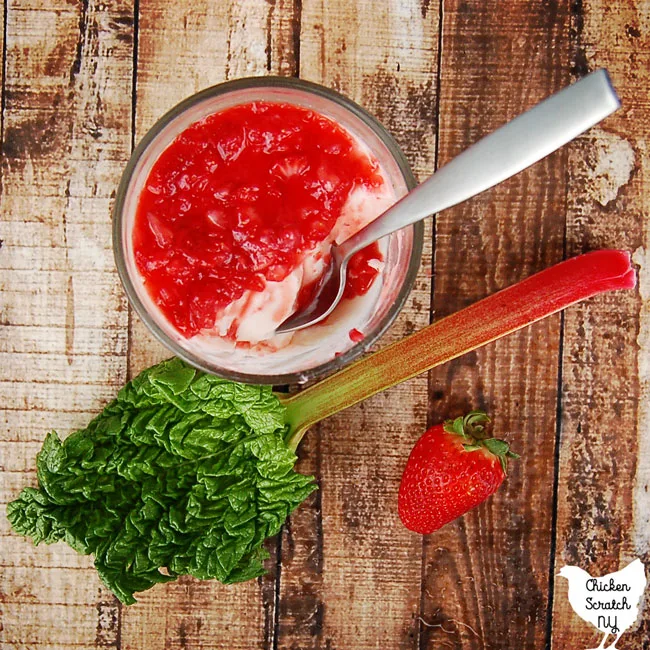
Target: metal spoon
[499,155]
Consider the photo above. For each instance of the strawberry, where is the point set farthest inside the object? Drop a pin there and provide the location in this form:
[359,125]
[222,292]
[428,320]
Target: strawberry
[452,468]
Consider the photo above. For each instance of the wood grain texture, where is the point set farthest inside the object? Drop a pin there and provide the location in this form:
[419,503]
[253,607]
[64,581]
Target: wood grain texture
[485,579]
[603,519]
[350,572]
[66,137]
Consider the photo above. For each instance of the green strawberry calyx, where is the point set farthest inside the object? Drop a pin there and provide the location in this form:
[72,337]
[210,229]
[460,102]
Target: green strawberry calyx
[471,427]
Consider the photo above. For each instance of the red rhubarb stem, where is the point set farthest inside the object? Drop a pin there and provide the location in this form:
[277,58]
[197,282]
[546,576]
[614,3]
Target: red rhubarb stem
[489,319]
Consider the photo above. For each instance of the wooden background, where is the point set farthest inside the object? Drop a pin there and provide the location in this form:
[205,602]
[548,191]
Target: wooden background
[82,80]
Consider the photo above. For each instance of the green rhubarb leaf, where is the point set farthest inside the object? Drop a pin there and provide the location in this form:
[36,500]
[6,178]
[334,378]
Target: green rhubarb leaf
[184,473]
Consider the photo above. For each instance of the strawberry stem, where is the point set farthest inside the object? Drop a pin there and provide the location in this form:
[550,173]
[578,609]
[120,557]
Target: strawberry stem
[470,427]
[489,319]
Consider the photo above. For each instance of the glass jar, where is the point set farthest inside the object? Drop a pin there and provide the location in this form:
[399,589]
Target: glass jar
[323,349]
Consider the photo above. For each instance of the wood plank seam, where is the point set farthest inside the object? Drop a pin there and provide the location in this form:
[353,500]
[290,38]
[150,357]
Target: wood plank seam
[558,423]
[556,479]
[116,604]
[419,640]
[296,21]
[134,102]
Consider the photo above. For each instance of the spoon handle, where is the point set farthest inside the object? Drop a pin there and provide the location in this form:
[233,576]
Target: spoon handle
[489,319]
[499,155]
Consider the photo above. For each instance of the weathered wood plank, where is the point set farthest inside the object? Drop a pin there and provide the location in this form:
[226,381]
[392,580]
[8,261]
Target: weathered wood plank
[38,234]
[28,426]
[180,52]
[3,14]
[75,626]
[86,369]
[603,519]
[45,258]
[34,586]
[54,396]
[46,339]
[21,553]
[66,136]
[350,572]
[35,298]
[485,579]
[196,614]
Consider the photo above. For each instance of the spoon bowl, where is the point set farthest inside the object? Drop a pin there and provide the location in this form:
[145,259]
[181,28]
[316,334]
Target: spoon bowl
[326,297]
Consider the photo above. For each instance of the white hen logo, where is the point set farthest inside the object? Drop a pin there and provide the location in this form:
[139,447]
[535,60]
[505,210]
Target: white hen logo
[610,603]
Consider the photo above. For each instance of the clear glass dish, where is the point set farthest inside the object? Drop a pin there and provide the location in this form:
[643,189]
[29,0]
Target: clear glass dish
[402,250]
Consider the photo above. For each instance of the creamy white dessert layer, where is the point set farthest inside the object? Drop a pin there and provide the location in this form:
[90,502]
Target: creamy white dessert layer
[255,316]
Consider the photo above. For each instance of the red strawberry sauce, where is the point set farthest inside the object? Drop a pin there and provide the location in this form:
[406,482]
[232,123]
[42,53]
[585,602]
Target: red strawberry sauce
[239,199]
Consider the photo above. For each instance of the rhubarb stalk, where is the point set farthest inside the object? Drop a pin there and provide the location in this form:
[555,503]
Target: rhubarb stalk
[506,311]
